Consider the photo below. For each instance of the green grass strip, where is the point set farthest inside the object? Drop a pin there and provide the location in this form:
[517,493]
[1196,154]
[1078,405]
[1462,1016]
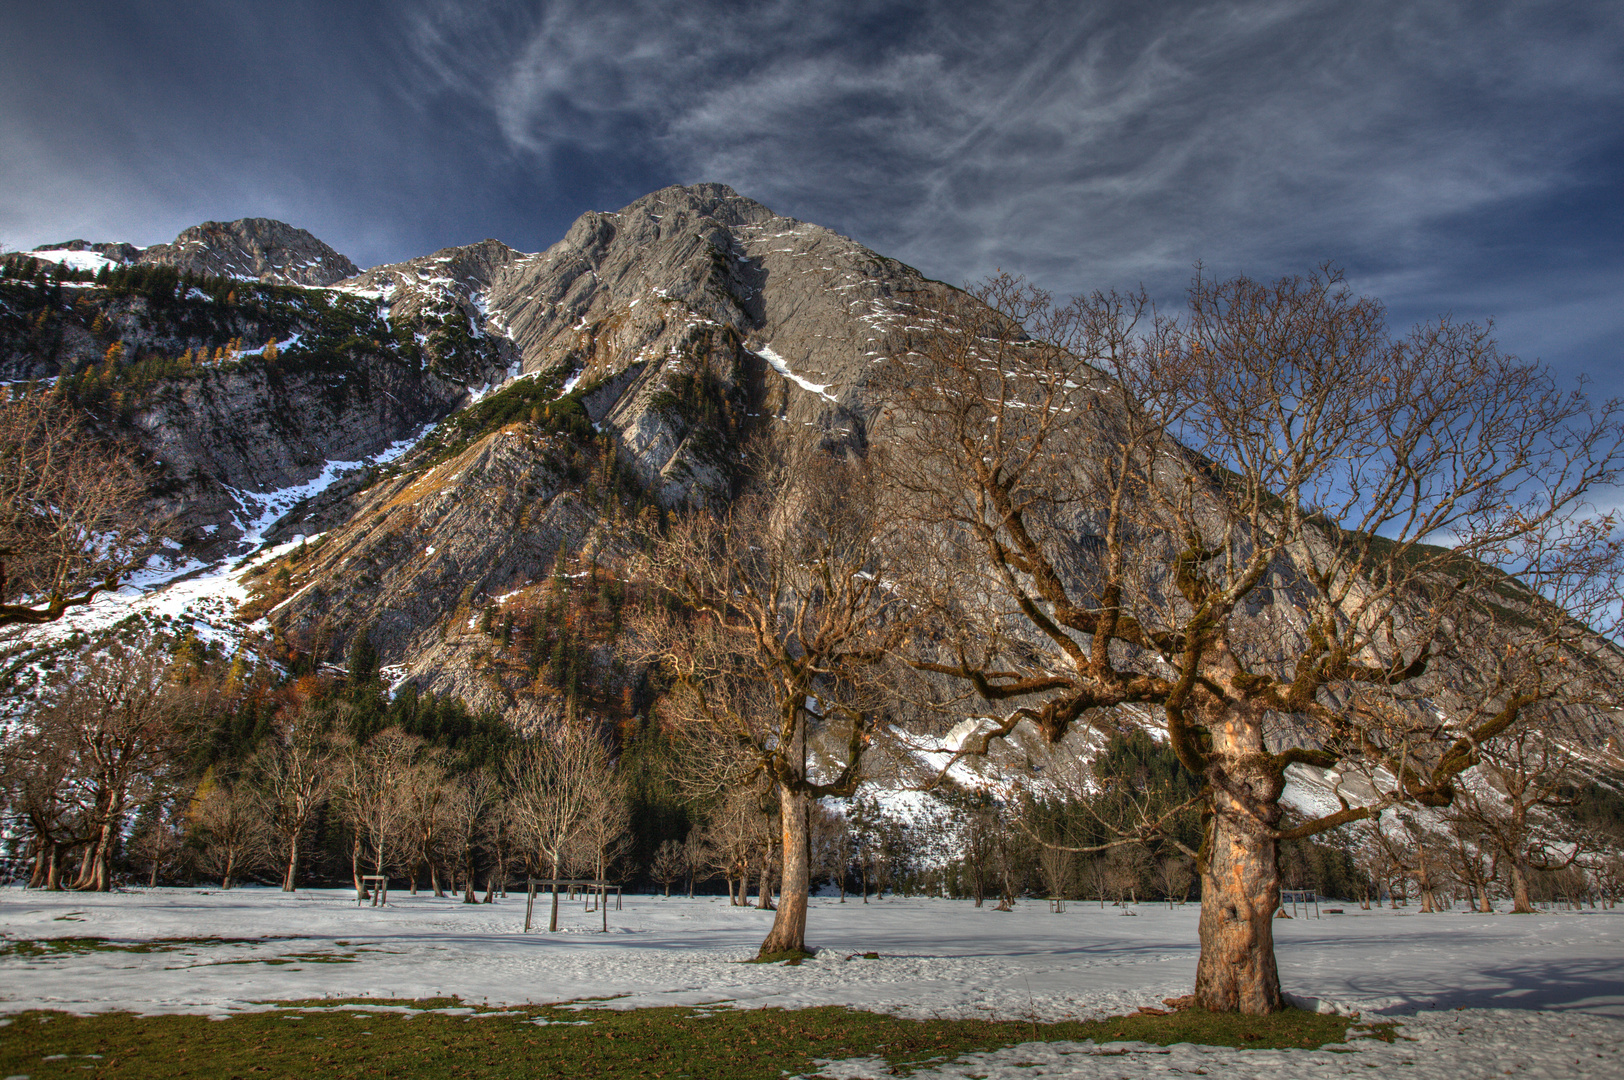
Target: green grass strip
[403,1039]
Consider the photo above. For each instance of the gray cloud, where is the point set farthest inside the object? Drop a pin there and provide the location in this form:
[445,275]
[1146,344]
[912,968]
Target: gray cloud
[1453,156]
[1084,147]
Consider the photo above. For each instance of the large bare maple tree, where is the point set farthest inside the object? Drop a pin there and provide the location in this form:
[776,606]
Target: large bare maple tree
[779,617]
[1289,534]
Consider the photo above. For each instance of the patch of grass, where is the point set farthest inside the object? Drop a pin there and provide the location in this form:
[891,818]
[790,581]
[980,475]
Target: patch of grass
[46,947]
[792,957]
[436,1038]
[289,958]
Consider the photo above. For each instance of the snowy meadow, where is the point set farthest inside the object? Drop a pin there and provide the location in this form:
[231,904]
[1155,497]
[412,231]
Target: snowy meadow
[1483,993]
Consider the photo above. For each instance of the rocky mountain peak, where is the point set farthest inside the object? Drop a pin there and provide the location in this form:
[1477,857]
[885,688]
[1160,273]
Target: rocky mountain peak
[716,201]
[434,285]
[261,249]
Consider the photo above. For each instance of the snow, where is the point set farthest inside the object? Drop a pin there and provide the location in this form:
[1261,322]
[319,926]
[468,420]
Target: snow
[77,260]
[206,595]
[1532,992]
[780,365]
[289,342]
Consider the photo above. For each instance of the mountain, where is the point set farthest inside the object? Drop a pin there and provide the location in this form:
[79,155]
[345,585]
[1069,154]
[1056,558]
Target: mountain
[248,249]
[258,249]
[444,454]
[275,391]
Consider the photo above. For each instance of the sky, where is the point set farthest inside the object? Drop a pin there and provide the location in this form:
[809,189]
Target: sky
[1453,158]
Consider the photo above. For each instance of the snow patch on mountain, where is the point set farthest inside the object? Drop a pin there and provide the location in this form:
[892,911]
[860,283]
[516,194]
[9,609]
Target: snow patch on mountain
[780,365]
[75,260]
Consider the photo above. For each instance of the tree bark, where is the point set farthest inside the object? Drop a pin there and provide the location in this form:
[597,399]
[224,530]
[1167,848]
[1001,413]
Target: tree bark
[1521,904]
[552,921]
[788,933]
[290,876]
[1240,873]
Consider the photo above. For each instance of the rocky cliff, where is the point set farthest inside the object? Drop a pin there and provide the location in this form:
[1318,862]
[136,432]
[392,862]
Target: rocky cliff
[258,249]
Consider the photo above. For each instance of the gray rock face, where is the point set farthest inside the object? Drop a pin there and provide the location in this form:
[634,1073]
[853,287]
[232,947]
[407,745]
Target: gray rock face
[258,248]
[451,279]
[228,437]
[702,284]
[691,319]
[421,551]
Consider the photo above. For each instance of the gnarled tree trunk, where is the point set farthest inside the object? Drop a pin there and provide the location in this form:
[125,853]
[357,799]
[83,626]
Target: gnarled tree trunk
[789,925]
[1240,873]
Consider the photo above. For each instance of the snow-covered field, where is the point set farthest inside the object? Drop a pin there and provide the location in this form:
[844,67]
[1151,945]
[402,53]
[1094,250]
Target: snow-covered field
[1477,990]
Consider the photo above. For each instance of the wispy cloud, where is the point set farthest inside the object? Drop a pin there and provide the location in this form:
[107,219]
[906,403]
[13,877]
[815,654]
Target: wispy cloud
[1454,155]
[1084,145]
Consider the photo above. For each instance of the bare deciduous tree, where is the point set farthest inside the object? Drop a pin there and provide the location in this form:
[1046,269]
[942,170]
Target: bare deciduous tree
[783,618]
[229,826]
[1236,518]
[1525,773]
[470,809]
[669,865]
[113,730]
[371,784]
[551,785]
[292,775]
[71,524]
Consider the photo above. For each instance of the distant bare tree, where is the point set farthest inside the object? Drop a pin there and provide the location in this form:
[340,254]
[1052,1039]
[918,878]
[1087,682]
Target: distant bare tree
[551,786]
[604,827]
[1059,868]
[832,850]
[426,791]
[469,810]
[695,856]
[669,864]
[156,839]
[71,521]
[292,774]
[228,824]
[734,840]
[1527,773]
[1176,877]
[372,787]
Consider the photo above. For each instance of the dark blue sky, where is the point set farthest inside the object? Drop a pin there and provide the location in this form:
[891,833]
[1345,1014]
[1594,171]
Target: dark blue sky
[1459,157]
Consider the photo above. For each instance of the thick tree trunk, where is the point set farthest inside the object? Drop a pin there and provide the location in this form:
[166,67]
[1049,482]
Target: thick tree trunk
[1520,902]
[789,925]
[290,876]
[1240,874]
[46,857]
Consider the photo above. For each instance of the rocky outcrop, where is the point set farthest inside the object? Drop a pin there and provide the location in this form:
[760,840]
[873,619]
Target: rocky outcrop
[451,279]
[229,442]
[697,297]
[259,249]
[420,553]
